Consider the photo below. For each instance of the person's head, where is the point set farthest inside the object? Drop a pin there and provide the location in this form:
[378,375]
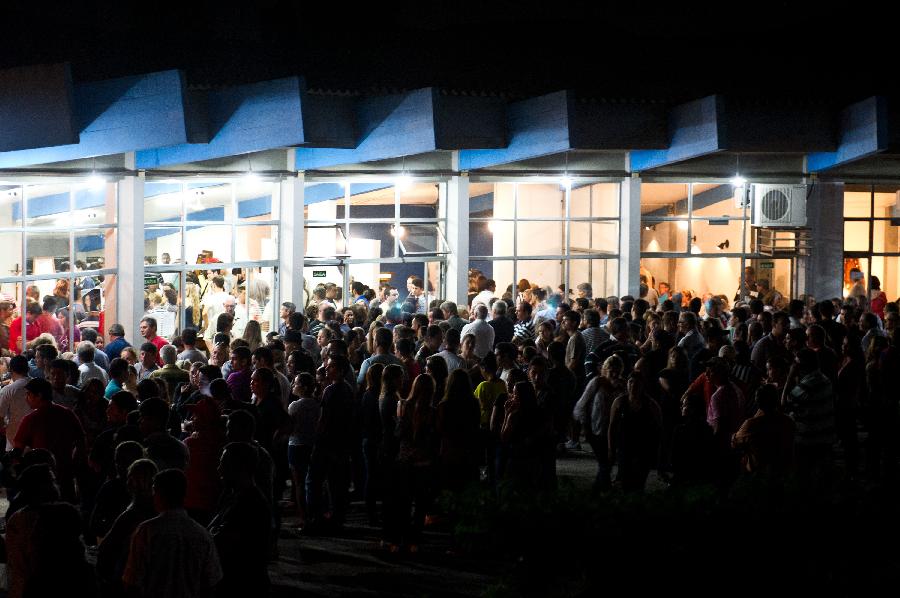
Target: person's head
[391,379]
[618,329]
[168,354]
[154,413]
[125,454]
[337,368]
[38,393]
[116,331]
[459,386]
[781,323]
[538,371]
[49,305]
[481,312]
[499,309]
[59,373]
[612,368]
[523,311]
[18,366]
[240,358]
[557,352]
[571,321]
[416,286]
[44,356]
[148,327]
[148,354]
[120,405]
[776,369]
[262,382]
[237,464]
[433,337]
[449,309]
[437,367]
[687,321]
[807,361]
[693,407]
[32,312]
[452,340]
[169,490]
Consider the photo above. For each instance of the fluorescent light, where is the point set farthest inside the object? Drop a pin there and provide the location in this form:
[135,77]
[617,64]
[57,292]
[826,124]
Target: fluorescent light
[398,231]
[95,181]
[403,182]
[251,178]
[566,182]
[738,181]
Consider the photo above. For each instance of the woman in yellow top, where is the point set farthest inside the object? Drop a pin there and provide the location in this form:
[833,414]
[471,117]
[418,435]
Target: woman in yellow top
[487,393]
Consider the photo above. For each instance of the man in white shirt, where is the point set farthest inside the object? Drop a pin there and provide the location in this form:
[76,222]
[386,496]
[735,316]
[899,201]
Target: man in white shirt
[213,305]
[13,402]
[451,353]
[484,332]
[485,294]
[88,369]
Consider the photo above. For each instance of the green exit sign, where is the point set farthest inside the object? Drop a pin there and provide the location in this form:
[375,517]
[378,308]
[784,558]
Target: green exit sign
[318,273]
[767,265]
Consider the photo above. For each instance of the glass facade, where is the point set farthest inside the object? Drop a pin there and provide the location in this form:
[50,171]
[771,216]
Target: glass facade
[59,241]
[872,236]
[197,230]
[547,234]
[374,232]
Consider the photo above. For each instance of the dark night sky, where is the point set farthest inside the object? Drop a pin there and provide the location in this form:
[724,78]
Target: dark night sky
[676,51]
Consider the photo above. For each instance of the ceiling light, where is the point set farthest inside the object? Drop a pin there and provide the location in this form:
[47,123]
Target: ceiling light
[738,181]
[96,181]
[566,182]
[398,231]
[403,182]
[682,225]
[251,178]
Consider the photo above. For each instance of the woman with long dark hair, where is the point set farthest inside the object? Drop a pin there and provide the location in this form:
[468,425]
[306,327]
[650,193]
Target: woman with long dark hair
[414,470]
[458,420]
[372,435]
[521,435]
[437,367]
[634,433]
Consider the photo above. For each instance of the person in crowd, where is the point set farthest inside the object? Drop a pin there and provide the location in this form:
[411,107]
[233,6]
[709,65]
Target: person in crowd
[382,354]
[451,353]
[593,334]
[149,362]
[241,525]
[241,372]
[414,471]
[619,344]
[112,498]
[458,419]
[521,436]
[593,411]
[204,446]
[488,393]
[450,313]
[43,356]
[102,452]
[523,330]
[191,353]
[431,344]
[809,399]
[165,450]
[773,343]
[172,375]
[693,449]
[148,331]
[32,329]
[47,322]
[14,405]
[171,554]
[118,375]
[849,395]
[331,452]
[116,341]
[55,428]
[484,333]
[112,551]
[766,440]
[304,414]
[634,434]
[504,328]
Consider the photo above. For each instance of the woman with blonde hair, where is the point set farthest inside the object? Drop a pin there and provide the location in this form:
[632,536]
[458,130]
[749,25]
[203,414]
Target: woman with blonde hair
[253,335]
[193,311]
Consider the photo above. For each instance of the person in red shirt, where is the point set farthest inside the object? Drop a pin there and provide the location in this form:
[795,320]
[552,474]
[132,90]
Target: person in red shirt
[148,331]
[48,323]
[32,330]
[55,428]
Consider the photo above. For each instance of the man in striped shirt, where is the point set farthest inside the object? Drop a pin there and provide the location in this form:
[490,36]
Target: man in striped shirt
[811,405]
[524,328]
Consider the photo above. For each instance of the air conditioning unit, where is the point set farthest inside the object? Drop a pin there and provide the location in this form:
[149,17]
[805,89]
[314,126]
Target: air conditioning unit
[779,206]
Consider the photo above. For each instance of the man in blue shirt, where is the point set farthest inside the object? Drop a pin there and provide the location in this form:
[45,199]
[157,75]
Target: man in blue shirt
[116,342]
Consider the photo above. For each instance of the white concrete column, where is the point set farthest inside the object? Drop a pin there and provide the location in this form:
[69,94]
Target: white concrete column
[458,238]
[291,241]
[630,237]
[130,292]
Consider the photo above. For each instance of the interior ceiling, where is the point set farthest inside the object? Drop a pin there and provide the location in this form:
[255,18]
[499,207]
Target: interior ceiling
[657,195]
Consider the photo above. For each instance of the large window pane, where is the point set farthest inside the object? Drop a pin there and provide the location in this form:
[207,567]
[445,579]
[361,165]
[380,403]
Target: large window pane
[256,243]
[857,201]
[94,204]
[699,275]
[420,201]
[887,269]
[255,301]
[664,199]
[596,237]
[47,205]
[886,237]
[11,254]
[711,234]
[95,249]
[162,244]
[322,201]
[210,202]
[715,201]
[541,272]
[47,253]
[163,302]
[500,271]
[326,241]
[257,200]
[210,242]
[600,200]
[372,240]
[856,236]
[885,202]
[421,238]
[370,201]
[481,200]
[540,238]
[605,277]
[664,236]
[541,201]
[494,237]
[162,202]
[10,206]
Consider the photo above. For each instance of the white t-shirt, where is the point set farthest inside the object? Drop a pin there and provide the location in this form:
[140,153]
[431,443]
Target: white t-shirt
[214,303]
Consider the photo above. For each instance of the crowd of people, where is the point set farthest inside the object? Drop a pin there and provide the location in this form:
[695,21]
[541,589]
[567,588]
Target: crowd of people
[178,460]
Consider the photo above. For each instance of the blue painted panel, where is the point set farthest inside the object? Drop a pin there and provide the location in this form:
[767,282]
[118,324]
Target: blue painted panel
[211,214]
[116,116]
[89,243]
[36,107]
[390,127]
[257,206]
[330,191]
[243,119]
[535,127]
[863,132]
[694,131]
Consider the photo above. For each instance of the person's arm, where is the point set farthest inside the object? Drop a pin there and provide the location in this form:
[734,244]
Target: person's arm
[614,417]
[363,368]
